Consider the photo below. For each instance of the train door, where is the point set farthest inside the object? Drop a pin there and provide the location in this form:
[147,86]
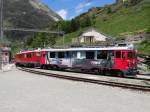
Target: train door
[63,58]
[67,58]
[43,58]
[120,60]
[124,60]
[69,53]
[73,58]
[110,59]
[132,60]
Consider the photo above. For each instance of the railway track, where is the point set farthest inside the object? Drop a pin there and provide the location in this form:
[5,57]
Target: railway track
[142,77]
[145,74]
[144,88]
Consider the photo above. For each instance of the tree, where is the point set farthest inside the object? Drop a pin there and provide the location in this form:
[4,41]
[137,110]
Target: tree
[85,22]
[88,21]
[74,25]
[65,26]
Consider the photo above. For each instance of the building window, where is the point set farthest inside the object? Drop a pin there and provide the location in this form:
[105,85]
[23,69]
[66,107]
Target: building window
[89,54]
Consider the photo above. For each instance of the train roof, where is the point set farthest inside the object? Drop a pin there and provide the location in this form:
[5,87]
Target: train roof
[91,48]
[129,47]
[29,51]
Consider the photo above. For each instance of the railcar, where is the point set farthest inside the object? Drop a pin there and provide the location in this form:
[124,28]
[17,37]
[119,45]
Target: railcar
[120,60]
[28,58]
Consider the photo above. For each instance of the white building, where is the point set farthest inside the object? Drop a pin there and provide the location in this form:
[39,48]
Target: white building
[92,36]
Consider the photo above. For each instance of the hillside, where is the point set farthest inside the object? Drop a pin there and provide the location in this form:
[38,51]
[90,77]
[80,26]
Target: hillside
[116,19]
[28,14]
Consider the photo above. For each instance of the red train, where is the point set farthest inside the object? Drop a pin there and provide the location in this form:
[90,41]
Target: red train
[120,60]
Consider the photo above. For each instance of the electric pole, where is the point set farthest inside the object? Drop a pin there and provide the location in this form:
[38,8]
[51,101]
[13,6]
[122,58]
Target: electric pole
[1,32]
[1,21]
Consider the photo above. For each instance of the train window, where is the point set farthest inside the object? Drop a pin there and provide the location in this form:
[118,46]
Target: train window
[123,55]
[38,54]
[29,55]
[118,54]
[111,53]
[25,56]
[130,55]
[32,54]
[89,54]
[102,54]
[134,55]
[52,54]
[67,54]
[61,55]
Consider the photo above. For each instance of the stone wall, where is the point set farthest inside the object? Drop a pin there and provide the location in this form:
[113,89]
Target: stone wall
[134,37]
[4,56]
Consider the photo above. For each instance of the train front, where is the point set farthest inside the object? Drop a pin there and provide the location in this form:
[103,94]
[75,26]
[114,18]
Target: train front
[126,61]
[131,63]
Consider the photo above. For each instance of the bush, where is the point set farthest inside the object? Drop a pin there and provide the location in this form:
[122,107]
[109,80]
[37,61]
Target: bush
[109,10]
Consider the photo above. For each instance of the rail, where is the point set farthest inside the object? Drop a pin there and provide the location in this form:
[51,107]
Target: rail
[102,82]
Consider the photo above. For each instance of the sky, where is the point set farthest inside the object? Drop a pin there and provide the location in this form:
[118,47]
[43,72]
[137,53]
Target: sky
[69,9]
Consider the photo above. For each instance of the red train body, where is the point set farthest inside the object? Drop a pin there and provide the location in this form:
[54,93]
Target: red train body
[103,60]
[30,59]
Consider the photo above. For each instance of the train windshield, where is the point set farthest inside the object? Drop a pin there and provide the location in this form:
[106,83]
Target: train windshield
[131,55]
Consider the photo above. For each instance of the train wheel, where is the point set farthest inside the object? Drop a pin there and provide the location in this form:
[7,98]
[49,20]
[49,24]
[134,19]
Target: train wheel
[55,67]
[43,66]
[108,72]
[33,66]
[101,72]
[96,71]
[120,74]
[17,64]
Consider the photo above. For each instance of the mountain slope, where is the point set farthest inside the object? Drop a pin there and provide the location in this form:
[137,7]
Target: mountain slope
[28,14]
[128,19]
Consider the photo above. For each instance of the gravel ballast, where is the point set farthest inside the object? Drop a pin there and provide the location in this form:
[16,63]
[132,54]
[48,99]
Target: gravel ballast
[25,92]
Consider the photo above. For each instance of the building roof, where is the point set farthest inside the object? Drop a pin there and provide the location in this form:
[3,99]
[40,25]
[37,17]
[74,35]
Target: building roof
[6,49]
[95,34]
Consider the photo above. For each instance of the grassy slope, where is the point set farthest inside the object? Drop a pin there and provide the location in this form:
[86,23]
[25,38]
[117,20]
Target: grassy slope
[124,20]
